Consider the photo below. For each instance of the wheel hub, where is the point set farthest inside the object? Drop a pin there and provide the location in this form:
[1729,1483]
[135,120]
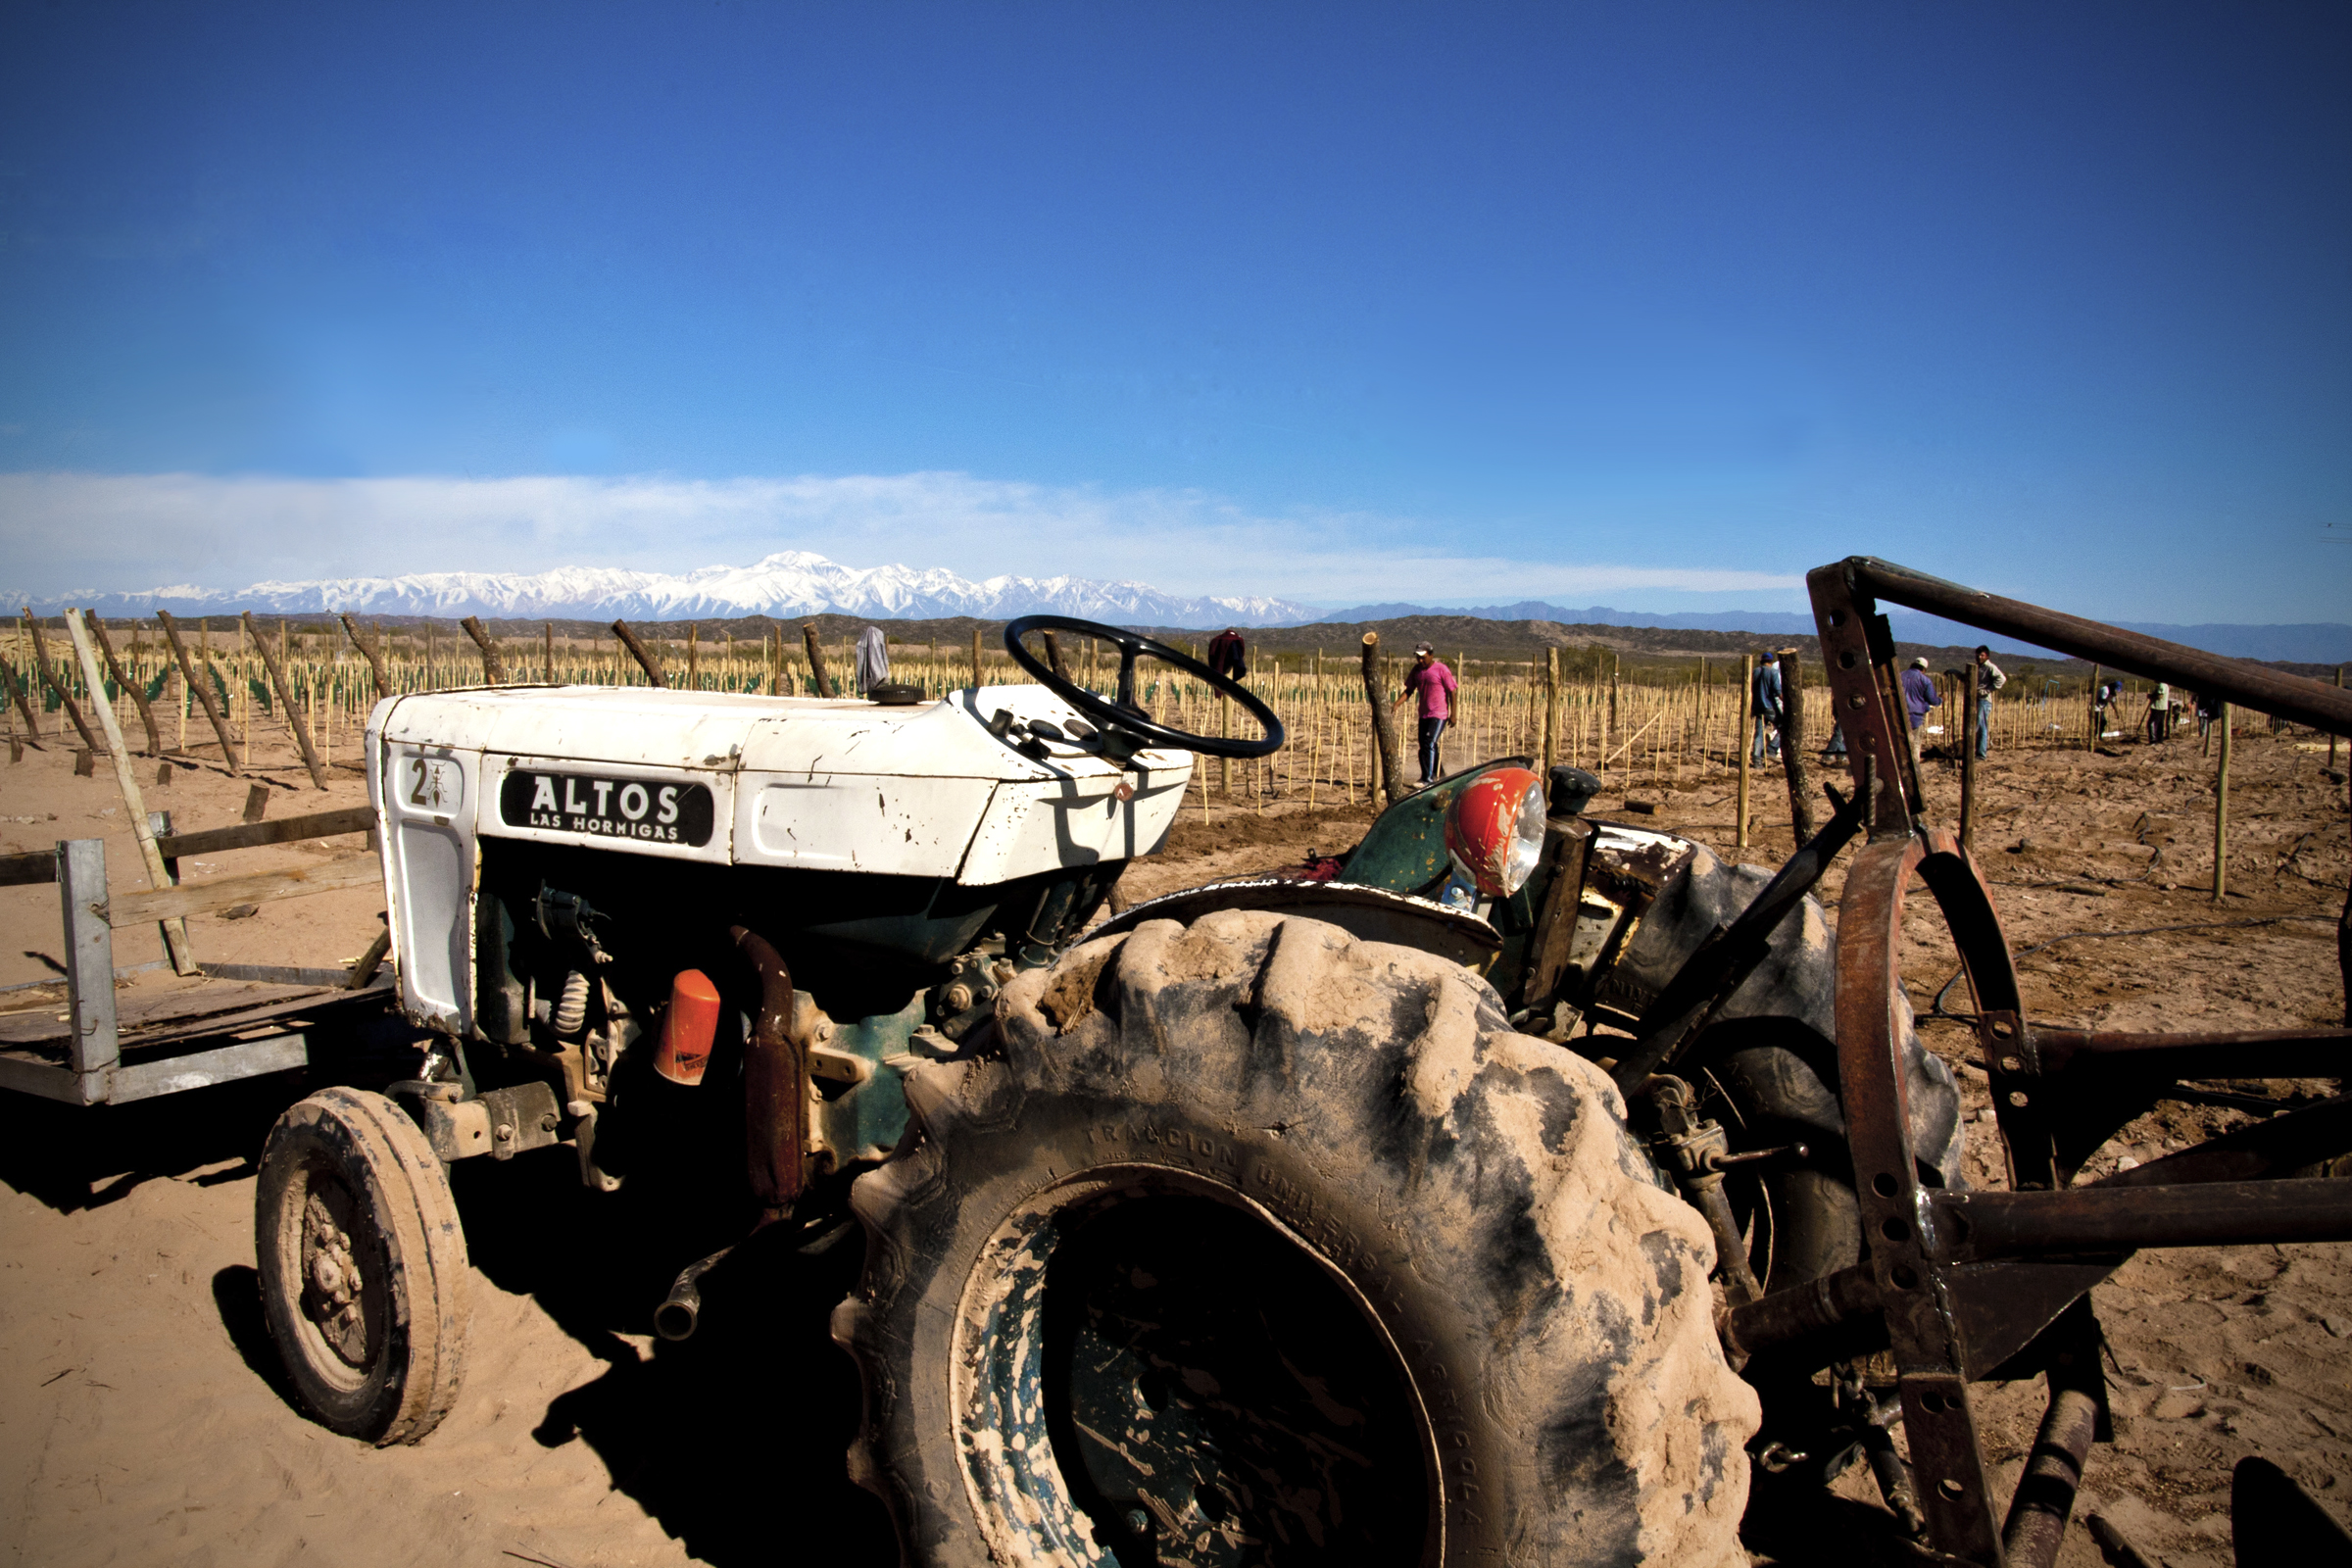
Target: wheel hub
[333,1287]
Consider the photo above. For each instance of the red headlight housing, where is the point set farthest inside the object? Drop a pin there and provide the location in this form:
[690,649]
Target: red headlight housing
[1496,829]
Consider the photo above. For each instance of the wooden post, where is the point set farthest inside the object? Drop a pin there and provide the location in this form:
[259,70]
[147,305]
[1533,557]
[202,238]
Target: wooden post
[1552,708]
[2343,925]
[816,660]
[1747,732]
[1224,764]
[2221,811]
[367,651]
[285,698]
[1970,698]
[639,652]
[138,693]
[2333,739]
[1053,656]
[773,639]
[694,663]
[40,662]
[546,645]
[1793,746]
[16,694]
[1384,733]
[94,1045]
[494,669]
[205,698]
[175,932]
[2092,708]
[977,683]
[1616,663]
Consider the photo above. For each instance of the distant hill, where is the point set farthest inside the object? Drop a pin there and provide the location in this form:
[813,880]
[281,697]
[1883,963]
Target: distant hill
[2309,642]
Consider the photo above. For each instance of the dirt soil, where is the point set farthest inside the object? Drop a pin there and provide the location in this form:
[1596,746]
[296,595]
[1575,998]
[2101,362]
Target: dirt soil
[146,1420]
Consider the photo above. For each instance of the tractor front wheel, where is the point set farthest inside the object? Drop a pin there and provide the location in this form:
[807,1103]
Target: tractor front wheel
[362,1266]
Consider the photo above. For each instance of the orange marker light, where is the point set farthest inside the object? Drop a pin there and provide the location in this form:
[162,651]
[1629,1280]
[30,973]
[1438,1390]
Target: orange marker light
[688,1028]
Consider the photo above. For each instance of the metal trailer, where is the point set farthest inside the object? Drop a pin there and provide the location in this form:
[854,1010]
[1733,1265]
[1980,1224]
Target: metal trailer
[1965,1286]
[256,1019]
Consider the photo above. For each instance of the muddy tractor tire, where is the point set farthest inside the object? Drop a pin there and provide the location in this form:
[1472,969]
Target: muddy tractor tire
[1248,1241]
[362,1266]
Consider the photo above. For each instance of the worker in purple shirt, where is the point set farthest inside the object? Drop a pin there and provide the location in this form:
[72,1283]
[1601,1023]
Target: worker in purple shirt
[1919,692]
[1435,685]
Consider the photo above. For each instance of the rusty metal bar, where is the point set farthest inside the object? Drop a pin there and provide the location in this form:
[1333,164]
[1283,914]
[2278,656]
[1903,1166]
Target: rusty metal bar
[2219,1054]
[2276,1148]
[2107,1219]
[2291,697]
[2045,1493]
[1954,1491]
[1816,1306]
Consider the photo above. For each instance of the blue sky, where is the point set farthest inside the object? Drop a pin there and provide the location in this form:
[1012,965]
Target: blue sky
[1651,305]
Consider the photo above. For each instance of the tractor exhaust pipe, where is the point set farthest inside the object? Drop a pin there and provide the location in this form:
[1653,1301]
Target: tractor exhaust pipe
[775,1085]
[682,1309]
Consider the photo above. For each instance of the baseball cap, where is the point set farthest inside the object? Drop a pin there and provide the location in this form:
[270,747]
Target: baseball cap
[1422,648]
[1919,663]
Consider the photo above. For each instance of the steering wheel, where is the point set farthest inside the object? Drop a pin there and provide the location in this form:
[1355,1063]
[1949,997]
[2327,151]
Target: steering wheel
[1125,712]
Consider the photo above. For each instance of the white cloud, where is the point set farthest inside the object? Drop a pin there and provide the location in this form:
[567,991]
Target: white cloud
[136,531]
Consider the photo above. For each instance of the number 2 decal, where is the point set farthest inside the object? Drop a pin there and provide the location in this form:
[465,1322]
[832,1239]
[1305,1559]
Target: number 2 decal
[436,784]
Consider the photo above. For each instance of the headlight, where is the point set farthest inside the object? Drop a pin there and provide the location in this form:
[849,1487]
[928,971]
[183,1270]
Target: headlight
[1496,829]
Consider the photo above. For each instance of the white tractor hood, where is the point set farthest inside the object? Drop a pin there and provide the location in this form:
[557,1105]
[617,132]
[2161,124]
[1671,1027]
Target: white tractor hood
[785,781]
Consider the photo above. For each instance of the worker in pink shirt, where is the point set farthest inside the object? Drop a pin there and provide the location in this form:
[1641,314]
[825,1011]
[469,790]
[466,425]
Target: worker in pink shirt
[1435,685]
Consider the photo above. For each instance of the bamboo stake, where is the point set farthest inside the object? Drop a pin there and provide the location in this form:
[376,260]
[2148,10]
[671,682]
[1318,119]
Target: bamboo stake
[205,697]
[2221,811]
[285,698]
[175,932]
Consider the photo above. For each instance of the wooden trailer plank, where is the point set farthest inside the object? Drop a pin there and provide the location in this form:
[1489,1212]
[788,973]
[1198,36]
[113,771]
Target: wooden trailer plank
[221,893]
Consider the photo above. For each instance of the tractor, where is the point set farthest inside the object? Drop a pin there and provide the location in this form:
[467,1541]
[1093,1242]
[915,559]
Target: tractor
[1511,1185]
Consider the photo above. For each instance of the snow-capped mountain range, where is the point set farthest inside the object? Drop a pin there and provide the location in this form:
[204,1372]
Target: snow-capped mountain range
[790,582]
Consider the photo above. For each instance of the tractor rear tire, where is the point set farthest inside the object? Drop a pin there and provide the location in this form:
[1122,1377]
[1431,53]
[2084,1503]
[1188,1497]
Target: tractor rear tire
[362,1266]
[1248,1241]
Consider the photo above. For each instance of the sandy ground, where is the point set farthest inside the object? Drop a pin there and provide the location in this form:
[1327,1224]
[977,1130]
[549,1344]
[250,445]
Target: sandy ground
[146,1421]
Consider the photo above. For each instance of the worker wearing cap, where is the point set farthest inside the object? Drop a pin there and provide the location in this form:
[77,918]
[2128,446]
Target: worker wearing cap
[1919,692]
[1432,682]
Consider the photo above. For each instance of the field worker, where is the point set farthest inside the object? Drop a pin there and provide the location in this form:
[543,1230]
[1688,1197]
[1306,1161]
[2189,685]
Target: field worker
[1919,692]
[1435,685]
[873,660]
[2159,713]
[1767,694]
[1228,655]
[1989,679]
